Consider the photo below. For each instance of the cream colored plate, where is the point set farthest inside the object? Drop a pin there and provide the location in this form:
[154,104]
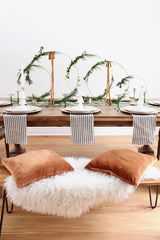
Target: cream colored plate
[135,110]
[4,103]
[19,109]
[85,109]
[154,103]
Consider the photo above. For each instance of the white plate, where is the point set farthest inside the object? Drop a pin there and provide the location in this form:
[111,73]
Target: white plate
[4,103]
[25,109]
[139,110]
[155,103]
[84,109]
[77,108]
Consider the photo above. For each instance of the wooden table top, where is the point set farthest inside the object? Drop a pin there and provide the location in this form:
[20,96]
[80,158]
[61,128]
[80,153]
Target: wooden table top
[52,116]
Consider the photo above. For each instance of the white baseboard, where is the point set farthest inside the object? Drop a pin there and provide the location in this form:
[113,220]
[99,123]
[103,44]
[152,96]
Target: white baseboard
[99,131]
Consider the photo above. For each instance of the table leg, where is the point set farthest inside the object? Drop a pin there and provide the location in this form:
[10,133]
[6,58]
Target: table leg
[16,150]
[146,149]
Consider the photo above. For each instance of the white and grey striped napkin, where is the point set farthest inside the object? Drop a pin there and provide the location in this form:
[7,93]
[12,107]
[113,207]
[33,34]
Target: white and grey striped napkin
[15,128]
[144,129]
[82,128]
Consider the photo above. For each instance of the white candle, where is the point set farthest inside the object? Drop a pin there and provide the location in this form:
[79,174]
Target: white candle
[22,78]
[140,100]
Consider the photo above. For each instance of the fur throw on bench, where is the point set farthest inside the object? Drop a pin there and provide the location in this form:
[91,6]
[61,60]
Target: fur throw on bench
[73,193]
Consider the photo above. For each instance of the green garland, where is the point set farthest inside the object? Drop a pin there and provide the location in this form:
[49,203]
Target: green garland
[31,65]
[83,56]
[100,97]
[27,70]
[124,81]
[42,98]
[93,68]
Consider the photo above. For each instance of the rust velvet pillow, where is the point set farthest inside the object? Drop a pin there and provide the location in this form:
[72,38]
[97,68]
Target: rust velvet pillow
[35,165]
[127,165]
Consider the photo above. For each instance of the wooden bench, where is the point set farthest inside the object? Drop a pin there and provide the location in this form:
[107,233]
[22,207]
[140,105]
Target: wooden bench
[151,183]
[156,183]
[4,173]
[148,183]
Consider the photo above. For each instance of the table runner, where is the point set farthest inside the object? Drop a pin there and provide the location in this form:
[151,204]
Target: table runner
[144,129]
[15,128]
[82,128]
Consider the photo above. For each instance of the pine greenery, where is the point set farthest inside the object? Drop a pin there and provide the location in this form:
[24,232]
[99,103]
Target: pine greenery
[43,98]
[83,56]
[27,70]
[93,68]
[124,81]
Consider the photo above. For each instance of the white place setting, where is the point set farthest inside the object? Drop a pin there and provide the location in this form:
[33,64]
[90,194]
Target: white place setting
[22,107]
[80,108]
[139,108]
[4,103]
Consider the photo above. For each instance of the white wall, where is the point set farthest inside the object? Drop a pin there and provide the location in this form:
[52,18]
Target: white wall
[126,31]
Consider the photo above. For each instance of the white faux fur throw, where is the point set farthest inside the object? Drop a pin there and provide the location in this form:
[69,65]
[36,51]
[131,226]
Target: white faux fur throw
[69,194]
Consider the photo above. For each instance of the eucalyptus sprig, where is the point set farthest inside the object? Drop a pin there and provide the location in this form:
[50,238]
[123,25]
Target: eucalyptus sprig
[100,97]
[66,97]
[93,68]
[83,56]
[70,95]
[123,95]
[32,65]
[43,98]
[124,81]
[112,81]
[40,98]
[120,84]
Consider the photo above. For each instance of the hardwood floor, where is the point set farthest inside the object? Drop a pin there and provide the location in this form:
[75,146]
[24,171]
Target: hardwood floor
[131,219]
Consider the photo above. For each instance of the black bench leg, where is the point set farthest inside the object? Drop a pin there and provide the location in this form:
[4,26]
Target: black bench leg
[5,201]
[2,211]
[150,197]
[9,211]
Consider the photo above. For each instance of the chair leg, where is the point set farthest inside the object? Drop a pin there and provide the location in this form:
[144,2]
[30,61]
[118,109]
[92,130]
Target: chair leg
[150,197]
[158,147]
[7,149]
[2,211]
[5,201]
[11,209]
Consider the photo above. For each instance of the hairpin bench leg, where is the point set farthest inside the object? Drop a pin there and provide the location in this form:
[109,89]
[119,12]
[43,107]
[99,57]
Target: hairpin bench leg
[5,201]
[2,211]
[150,197]
[9,211]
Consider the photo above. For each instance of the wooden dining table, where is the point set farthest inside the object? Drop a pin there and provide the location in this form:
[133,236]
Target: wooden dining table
[108,116]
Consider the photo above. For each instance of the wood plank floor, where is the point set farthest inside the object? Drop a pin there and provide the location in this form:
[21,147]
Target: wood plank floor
[131,219]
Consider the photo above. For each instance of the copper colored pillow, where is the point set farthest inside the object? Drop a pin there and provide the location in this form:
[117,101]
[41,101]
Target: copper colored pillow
[127,165]
[35,165]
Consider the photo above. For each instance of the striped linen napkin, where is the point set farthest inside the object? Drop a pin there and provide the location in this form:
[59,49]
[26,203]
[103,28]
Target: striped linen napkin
[15,128]
[144,129]
[82,128]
